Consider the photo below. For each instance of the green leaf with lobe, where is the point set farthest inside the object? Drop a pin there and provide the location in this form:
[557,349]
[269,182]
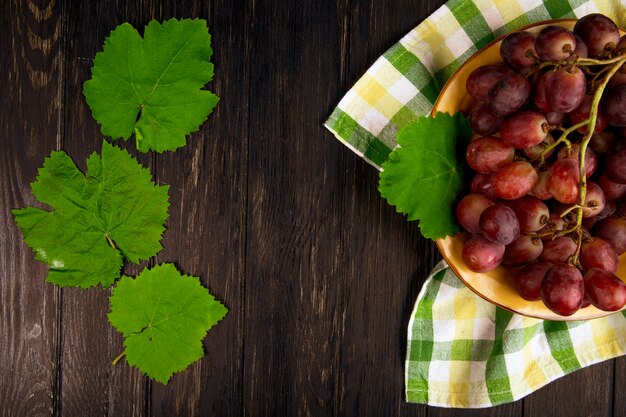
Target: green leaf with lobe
[423,176]
[152,86]
[163,316]
[115,211]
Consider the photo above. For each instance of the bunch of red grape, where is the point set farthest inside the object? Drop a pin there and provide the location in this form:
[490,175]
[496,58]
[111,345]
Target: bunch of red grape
[549,189]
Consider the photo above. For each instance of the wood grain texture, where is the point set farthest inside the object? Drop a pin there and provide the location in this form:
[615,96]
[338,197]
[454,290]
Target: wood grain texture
[206,229]
[292,268]
[587,392]
[281,222]
[89,384]
[30,120]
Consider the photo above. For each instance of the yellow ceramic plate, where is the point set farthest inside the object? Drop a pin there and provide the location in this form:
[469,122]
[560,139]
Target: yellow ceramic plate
[497,286]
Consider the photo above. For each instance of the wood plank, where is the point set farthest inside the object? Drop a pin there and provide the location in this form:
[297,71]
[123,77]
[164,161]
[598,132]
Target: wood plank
[30,118]
[206,230]
[619,379]
[90,385]
[385,257]
[587,392]
[294,218]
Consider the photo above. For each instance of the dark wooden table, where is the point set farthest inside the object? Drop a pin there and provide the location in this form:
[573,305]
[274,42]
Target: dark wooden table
[281,221]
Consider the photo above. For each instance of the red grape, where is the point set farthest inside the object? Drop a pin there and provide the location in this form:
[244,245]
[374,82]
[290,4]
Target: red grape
[540,99]
[482,79]
[599,33]
[508,95]
[605,290]
[483,122]
[613,229]
[469,209]
[480,255]
[612,190]
[566,89]
[540,189]
[598,253]
[488,154]
[514,180]
[558,249]
[535,151]
[594,200]
[524,129]
[614,105]
[481,184]
[602,142]
[563,289]
[563,181]
[528,280]
[517,50]
[591,160]
[554,43]
[522,250]
[499,224]
[531,213]
[615,166]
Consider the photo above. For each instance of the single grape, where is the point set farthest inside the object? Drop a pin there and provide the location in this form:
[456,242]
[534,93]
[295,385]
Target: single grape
[605,290]
[483,122]
[599,33]
[609,209]
[524,129]
[558,249]
[522,250]
[554,43]
[534,152]
[528,280]
[508,95]
[581,113]
[591,159]
[615,166]
[602,142]
[555,118]
[514,180]
[594,200]
[469,209]
[481,184]
[563,180]
[540,99]
[566,89]
[481,255]
[614,105]
[488,154]
[482,79]
[499,224]
[531,213]
[613,229]
[541,189]
[563,289]
[598,253]
[517,50]
[612,190]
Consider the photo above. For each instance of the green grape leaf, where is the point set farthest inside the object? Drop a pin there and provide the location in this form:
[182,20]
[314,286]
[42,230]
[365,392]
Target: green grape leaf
[115,211]
[163,316]
[423,176]
[152,86]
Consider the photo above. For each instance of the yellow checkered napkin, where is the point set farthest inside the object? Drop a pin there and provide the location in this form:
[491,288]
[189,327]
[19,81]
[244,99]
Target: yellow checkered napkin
[463,351]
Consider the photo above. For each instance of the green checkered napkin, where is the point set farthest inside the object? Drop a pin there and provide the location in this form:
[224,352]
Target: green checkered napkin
[463,351]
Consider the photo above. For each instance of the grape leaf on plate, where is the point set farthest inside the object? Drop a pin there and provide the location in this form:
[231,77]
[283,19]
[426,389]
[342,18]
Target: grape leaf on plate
[113,212]
[163,316]
[152,85]
[423,176]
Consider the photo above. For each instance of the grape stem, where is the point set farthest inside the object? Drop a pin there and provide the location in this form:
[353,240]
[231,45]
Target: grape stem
[584,61]
[119,357]
[591,125]
[561,139]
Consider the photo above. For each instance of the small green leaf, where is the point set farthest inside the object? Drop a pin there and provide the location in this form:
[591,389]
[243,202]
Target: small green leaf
[423,176]
[113,212]
[153,86]
[163,316]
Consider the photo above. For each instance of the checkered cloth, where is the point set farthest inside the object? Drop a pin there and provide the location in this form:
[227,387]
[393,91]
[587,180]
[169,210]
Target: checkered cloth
[463,351]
